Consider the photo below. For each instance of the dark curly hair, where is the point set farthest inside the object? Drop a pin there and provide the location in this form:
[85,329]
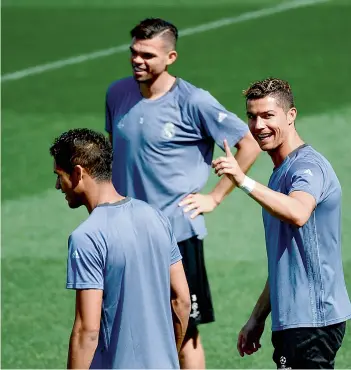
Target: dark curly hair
[84,147]
[275,87]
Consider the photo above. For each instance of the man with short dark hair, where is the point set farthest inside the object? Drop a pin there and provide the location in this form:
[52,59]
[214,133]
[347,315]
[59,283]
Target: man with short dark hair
[123,262]
[163,130]
[305,290]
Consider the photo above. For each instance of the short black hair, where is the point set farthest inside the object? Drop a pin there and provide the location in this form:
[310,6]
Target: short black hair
[152,27]
[275,87]
[87,148]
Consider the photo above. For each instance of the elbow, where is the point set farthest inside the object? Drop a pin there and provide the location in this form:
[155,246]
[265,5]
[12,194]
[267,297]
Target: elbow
[86,335]
[182,305]
[299,220]
[187,305]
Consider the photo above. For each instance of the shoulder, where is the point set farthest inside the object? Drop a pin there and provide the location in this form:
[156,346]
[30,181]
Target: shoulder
[309,158]
[88,231]
[150,212]
[192,95]
[121,86]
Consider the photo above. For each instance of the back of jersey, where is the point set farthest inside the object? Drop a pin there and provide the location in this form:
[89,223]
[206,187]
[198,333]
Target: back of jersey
[136,325]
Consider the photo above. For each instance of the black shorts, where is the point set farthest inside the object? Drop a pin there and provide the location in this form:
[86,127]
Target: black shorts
[192,251]
[307,348]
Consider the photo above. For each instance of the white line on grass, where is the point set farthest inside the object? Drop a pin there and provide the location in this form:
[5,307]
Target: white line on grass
[186,32]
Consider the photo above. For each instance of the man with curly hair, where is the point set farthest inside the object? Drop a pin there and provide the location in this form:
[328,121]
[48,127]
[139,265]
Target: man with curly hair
[305,291]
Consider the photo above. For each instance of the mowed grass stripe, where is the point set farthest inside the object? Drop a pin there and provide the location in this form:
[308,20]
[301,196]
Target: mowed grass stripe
[282,7]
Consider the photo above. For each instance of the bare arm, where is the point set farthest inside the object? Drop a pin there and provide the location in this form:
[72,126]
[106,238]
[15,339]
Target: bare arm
[263,306]
[85,332]
[250,335]
[247,152]
[180,302]
[295,208]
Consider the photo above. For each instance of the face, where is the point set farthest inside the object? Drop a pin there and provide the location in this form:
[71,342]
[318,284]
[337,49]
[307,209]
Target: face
[68,185]
[150,58]
[269,123]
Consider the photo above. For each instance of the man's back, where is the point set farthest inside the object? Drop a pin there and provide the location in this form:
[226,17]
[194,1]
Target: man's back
[130,248]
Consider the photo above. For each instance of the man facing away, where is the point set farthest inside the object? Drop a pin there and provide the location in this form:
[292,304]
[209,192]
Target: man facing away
[123,262]
[163,130]
[305,291]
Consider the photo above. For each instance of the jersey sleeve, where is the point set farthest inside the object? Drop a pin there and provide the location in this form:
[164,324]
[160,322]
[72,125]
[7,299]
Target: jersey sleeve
[307,177]
[85,263]
[175,252]
[214,120]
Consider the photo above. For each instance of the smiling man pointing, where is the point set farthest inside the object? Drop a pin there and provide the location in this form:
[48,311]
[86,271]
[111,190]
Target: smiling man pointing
[305,290]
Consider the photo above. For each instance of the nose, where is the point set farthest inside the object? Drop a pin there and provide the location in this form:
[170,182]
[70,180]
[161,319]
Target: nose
[137,59]
[259,124]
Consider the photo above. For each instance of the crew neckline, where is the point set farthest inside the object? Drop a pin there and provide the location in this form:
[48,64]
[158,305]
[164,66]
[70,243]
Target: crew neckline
[291,154]
[119,203]
[164,96]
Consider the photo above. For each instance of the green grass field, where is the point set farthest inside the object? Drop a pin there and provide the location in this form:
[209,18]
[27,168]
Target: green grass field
[309,46]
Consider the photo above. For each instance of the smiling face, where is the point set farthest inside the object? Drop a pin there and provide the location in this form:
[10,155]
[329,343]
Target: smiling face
[151,57]
[269,123]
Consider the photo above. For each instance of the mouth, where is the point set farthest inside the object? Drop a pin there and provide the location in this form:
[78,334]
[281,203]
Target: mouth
[138,69]
[264,137]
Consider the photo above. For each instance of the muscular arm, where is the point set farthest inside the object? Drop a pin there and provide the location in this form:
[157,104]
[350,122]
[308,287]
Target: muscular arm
[85,332]
[180,301]
[295,208]
[247,152]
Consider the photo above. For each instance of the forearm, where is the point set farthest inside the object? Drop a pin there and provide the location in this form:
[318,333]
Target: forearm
[284,207]
[181,312]
[263,306]
[82,348]
[225,186]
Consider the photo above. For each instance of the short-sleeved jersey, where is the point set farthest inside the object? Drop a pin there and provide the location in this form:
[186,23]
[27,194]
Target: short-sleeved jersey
[306,279]
[163,148]
[126,249]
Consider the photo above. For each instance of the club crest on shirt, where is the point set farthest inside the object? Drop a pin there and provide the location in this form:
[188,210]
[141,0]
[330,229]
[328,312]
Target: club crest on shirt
[168,130]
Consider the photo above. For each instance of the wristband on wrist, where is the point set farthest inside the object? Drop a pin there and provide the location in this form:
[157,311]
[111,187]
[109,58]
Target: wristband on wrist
[247,185]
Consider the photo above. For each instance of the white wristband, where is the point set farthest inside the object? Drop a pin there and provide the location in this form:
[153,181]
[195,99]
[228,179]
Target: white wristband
[247,185]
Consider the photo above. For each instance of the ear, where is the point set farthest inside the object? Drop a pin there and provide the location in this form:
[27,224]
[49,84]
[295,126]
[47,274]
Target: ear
[291,115]
[76,175]
[172,57]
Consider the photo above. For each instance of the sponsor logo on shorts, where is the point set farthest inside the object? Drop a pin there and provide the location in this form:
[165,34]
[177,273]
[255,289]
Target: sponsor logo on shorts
[194,313]
[282,361]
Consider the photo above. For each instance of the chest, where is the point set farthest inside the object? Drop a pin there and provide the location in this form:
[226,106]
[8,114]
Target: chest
[153,125]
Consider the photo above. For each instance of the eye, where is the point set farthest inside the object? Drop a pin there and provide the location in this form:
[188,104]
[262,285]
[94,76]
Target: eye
[268,116]
[148,56]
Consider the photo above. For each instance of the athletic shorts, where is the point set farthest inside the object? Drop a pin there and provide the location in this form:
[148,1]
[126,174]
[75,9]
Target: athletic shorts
[192,251]
[307,348]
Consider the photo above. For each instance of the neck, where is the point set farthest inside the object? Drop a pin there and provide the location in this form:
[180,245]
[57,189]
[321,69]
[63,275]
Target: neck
[279,154]
[156,88]
[99,193]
